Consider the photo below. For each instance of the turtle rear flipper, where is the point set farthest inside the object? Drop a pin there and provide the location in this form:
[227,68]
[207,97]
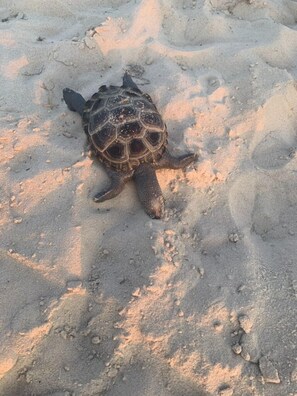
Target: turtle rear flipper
[74,100]
[168,161]
[116,186]
[129,83]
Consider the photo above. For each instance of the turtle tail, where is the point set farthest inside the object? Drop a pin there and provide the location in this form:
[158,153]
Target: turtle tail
[74,100]
[129,83]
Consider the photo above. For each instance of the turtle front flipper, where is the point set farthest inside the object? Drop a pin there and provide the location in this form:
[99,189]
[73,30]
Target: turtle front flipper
[74,100]
[170,162]
[116,186]
[149,191]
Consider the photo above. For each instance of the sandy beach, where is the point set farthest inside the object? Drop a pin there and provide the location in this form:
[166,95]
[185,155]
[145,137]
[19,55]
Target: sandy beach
[99,299]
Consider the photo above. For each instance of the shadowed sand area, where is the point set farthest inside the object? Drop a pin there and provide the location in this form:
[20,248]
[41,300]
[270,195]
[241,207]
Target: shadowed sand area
[98,299]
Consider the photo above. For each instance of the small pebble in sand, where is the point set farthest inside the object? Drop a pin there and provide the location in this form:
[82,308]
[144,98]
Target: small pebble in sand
[112,372]
[237,348]
[149,61]
[200,271]
[136,292]
[225,391]
[89,42]
[269,372]
[17,220]
[245,323]
[294,375]
[73,284]
[63,334]
[217,325]
[233,237]
[96,340]
[67,134]
[245,355]
[240,288]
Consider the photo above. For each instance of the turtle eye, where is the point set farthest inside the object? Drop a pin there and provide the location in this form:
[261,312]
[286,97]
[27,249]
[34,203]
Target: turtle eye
[116,151]
[137,147]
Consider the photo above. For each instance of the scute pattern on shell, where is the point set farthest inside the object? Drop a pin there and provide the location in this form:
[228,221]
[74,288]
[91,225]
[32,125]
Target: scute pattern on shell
[124,127]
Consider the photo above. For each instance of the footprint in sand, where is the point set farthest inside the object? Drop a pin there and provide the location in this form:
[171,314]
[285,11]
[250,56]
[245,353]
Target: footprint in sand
[210,82]
[252,10]
[272,152]
[263,206]
[213,83]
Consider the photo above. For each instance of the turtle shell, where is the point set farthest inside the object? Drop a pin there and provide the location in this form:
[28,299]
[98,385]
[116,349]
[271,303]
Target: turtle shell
[124,128]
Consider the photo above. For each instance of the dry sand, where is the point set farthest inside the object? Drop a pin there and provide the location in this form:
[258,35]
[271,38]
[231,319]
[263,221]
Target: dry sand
[101,300]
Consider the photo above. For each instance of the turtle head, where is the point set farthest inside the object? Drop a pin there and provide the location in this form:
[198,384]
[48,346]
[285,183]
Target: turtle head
[149,191]
[155,207]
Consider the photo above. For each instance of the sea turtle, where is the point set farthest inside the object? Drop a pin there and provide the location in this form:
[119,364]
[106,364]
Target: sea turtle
[127,134]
